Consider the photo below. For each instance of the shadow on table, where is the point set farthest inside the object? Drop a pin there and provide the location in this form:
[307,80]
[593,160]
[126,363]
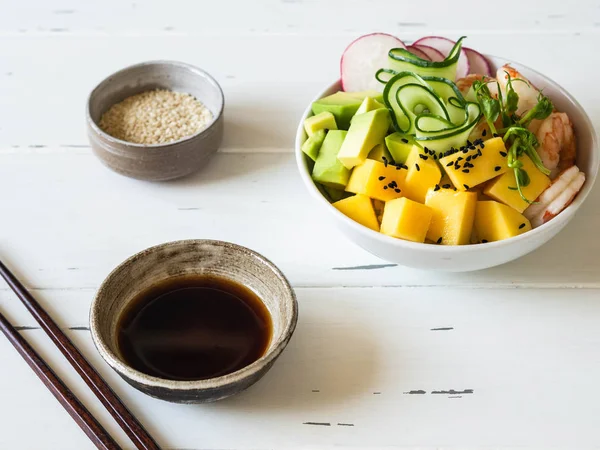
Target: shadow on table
[325,365]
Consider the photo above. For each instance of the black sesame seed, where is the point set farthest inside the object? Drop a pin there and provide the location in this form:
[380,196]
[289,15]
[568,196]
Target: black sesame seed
[385,163]
[522,225]
[479,151]
[381,178]
[437,187]
[484,132]
[404,166]
[422,156]
[418,168]
[446,186]
[497,168]
[469,143]
[398,167]
[439,241]
[456,166]
[483,241]
[384,158]
[503,154]
[455,189]
[404,140]
[391,185]
[466,186]
[397,190]
[468,158]
[496,135]
[466,170]
[385,187]
[426,149]
[459,158]
[450,163]
[466,150]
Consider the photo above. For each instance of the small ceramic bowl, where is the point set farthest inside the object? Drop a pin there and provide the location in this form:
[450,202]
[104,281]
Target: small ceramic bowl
[157,162]
[217,258]
[465,258]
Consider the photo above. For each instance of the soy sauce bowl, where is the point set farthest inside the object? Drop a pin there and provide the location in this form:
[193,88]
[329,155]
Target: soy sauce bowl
[184,258]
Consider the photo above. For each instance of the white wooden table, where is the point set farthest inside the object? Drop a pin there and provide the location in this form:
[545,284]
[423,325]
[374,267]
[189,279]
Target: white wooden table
[383,356]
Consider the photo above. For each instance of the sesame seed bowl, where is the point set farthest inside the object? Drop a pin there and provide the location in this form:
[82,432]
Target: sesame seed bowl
[463,258]
[156,121]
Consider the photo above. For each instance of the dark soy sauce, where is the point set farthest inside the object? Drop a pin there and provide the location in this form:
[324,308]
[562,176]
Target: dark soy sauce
[194,328]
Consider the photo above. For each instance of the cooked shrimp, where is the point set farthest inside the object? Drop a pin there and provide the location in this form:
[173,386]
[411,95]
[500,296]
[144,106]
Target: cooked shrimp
[464,84]
[556,197]
[557,143]
[528,94]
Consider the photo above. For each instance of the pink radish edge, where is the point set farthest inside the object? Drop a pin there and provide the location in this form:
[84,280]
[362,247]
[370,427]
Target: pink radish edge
[432,53]
[418,52]
[363,57]
[478,63]
[444,45]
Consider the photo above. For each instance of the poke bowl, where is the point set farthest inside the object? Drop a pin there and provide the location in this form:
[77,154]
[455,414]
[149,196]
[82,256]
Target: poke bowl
[537,219]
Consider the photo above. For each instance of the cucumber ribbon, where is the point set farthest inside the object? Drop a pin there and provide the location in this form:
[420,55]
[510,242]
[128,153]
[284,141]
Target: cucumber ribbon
[424,103]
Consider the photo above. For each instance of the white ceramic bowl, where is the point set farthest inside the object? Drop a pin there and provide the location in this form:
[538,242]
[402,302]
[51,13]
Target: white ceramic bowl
[478,256]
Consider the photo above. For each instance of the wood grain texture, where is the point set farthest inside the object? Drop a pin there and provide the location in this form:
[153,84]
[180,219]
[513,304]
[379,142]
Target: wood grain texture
[511,352]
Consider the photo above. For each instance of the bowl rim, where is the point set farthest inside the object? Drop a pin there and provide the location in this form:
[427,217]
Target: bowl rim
[560,220]
[232,378]
[193,69]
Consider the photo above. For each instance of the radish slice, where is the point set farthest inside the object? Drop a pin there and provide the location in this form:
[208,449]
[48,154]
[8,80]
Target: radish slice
[478,63]
[363,57]
[418,52]
[432,53]
[444,45]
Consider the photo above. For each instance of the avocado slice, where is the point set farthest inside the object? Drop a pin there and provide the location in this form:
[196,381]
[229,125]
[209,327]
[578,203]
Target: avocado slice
[380,153]
[399,147]
[341,104]
[368,104]
[313,144]
[366,131]
[324,120]
[375,95]
[328,170]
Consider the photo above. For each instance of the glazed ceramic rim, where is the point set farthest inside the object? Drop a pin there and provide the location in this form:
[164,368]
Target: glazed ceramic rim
[211,383]
[560,220]
[193,69]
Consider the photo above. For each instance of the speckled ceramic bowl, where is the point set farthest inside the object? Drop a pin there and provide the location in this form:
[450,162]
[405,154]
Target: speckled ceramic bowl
[161,161]
[173,259]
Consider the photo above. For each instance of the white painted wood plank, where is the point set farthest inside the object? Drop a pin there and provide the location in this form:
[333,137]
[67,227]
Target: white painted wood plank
[530,357]
[230,17]
[268,81]
[67,221]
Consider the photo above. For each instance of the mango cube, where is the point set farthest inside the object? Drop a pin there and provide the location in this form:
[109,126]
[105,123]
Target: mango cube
[341,104]
[468,169]
[399,147]
[377,180]
[498,189]
[423,173]
[453,215]
[380,153]
[495,221]
[406,219]
[366,131]
[328,170]
[360,209]
[321,121]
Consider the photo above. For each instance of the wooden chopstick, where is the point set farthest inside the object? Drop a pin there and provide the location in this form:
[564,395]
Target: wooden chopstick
[126,420]
[90,426]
